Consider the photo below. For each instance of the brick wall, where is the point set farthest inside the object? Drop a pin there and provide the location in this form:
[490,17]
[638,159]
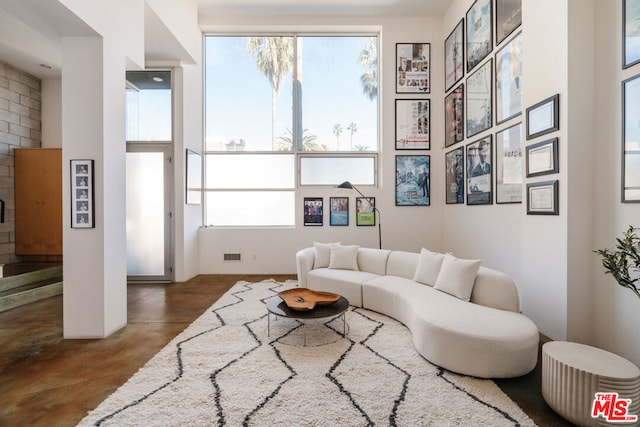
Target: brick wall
[20,126]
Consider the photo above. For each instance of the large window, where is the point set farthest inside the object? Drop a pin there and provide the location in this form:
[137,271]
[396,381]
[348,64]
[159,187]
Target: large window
[149,106]
[284,111]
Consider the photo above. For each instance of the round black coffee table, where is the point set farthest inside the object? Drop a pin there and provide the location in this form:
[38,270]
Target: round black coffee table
[277,307]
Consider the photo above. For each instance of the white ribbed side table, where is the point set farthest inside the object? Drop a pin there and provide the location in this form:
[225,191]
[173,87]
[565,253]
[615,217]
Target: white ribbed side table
[572,373]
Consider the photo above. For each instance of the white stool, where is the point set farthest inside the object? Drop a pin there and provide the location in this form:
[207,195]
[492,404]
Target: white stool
[572,373]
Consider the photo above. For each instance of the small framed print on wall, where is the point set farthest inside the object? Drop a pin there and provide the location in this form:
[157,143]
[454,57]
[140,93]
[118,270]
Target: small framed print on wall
[479,41]
[339,213]
[365,211]
[542,198]
[479,172]
[454,176]
[478,93]
[82,198]
[508,18]
[412,68]
[412,124]
[454,116]
[509,165]
[454,56]
[542,158]
[543,117]
[413,180]
[313,207]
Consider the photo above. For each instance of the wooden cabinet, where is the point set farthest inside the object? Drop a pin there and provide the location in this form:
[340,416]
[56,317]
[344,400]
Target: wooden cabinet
[38,195]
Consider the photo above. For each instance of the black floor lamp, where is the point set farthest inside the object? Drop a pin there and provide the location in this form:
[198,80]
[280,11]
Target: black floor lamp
[347,184]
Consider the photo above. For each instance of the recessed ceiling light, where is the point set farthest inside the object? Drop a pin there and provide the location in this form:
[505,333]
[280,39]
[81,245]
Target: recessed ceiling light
[158,79]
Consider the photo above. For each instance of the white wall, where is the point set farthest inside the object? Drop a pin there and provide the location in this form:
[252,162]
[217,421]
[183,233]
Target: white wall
[408,228]
[51,113]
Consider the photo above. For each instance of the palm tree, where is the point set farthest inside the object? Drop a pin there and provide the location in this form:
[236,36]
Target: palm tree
[274,58]
[369,59]
[352,128]
[308,142]
[337,131]
[361,148]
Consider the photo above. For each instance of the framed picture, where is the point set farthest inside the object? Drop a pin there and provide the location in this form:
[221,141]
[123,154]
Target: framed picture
[365,211]
[339,211]
[313,210]
[479,173]
[454,116]
[454,176]
[479,41]
[509,80]
[631,136]
[543,117]
[509,165]
[508,18]
[82,198]
[413,180]
[630,33]
[542,198]
[412,68]
[412,124]
[194,178]
[542,158]
[454,56]
[479,114]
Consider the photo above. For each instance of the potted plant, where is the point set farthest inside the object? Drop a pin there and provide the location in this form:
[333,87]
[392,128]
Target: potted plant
[623,262]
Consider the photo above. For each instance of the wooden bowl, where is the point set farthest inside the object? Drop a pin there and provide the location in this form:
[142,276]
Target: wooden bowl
[304,299]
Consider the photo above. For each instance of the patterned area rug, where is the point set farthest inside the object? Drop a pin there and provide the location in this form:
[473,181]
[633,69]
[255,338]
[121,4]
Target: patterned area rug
[224,370]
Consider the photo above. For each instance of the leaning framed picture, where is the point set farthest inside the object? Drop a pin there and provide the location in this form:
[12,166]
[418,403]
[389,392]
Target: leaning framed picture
[509,165]
[479,172]
[479,41]
[542,158]
[508,18]
[630,138]
[412,68]
[630,33]
[339,211]
[509,80]
[478,93]
[543,117]
[365,211]
[454,116]
[413,118]
[413,180]
[82,197]
[454,176]
[542,198]
[313,214]
[454,56]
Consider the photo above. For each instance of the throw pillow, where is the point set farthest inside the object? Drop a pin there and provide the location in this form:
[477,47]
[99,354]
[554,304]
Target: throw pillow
[428,269]
[457,276]
[344,257]
[323,253]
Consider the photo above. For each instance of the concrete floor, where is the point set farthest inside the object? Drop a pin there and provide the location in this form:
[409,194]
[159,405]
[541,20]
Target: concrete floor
[46,380]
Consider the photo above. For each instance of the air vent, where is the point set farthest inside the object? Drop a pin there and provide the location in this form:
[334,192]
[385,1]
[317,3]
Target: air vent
[233,257]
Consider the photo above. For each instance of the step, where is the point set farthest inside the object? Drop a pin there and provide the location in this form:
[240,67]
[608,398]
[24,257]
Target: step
[24,275]
[29,293]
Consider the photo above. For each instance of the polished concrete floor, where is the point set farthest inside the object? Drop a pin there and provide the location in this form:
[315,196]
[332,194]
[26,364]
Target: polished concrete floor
[46,380]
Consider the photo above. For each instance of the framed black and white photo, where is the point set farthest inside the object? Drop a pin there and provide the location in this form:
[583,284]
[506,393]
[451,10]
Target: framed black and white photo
[194,178]
[412,68]
[454,176]
[454,56]
[339,211]
[413,118]
[509,165]
[413,180]
[508,18]
[82,197]
[542,198]
[478,93]
[479,172]
[313,207]
[509,80]
[454,116]
[542,158]
[365,211]
[543,117]
[479,40]
[631,136]
[630,33]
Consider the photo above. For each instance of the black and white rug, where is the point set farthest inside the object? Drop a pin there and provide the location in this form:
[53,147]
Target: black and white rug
[224,370]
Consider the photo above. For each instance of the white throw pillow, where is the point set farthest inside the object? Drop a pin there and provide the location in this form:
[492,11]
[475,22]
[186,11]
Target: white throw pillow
[428,269]
[344,257]
[323,254]
[457,276]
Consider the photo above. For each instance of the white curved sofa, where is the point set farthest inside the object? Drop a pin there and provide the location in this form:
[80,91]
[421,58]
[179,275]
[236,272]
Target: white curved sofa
[463,317]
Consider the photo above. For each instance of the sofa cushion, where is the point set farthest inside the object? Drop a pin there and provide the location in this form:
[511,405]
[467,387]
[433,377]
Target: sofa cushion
[457,276]
[347,283]
[344,257]
[373,260]
[428,269]
[323,254]
[402,264]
